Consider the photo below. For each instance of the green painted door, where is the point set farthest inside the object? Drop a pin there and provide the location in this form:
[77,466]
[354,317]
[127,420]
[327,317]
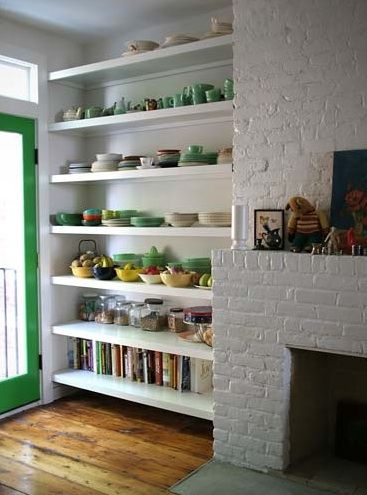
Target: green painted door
[19,344]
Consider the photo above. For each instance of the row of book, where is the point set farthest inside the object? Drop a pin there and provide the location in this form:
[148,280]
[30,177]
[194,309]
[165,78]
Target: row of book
[182,373]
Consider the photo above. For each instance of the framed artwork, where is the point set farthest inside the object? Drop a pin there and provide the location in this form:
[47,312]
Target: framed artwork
[269,229]
[348,212]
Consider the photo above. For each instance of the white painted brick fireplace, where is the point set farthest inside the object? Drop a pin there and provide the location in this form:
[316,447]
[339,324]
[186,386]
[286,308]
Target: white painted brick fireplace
[266,303]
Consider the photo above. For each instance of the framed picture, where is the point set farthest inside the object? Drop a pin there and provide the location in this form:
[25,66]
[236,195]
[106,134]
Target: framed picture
[349,197]
[269,229]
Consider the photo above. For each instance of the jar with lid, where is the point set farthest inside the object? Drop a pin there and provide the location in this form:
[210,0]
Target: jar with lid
[121,312]
[105,306]
[198,314]
[153,315]
[175,320]
[134,314]
[87,307]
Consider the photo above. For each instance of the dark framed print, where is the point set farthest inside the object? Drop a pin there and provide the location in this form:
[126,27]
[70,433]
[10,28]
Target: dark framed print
[269,229]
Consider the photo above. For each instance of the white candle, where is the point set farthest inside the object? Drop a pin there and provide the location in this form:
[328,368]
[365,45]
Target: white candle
[239,231]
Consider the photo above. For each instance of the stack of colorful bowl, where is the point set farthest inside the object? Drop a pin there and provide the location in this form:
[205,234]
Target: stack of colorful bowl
[168,158]
[106,162]
[198,265]
[194,156]
[92,217]
[117,218]
[129,162]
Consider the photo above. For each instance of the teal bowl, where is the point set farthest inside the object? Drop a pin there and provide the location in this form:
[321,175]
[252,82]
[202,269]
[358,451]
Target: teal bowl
[70,219]
[93,211]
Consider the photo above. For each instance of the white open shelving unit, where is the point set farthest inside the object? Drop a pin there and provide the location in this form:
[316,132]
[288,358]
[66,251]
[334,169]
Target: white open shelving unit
[199,405]
[223,171]
[165,341]
[206,54]
[136,287]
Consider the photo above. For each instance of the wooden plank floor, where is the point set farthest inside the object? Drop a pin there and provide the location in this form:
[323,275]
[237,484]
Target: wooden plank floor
[89,444]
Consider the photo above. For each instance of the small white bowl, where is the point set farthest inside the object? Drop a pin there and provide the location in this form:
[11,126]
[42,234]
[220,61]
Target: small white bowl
[150,279]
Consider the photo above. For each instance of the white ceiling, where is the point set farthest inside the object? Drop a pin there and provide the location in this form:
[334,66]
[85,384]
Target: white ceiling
[103,18]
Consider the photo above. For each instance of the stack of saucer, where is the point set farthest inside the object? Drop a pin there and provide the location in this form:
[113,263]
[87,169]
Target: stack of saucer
[79,168]
[218,28]
[188,159]
[225,155]
[168,158]
[129,163]
[215,219]
[106,162]
[178,39]
[117,222]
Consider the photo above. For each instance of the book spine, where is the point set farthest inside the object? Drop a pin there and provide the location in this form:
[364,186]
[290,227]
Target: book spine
[139,365]
[201,375]
[103,358]
[158,368]
[76,353]
[145,366]
[84,355]
[172,370]
[95,355]
[166,369]
[129,364]
[90,355]
[186,373]
[179,373]
[113,359]
[117,360]
[175,361]
[151,367]
[70,352]
[122,360]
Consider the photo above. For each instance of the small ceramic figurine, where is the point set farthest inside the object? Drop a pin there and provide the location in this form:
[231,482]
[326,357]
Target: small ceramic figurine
[332,241]
[306,225]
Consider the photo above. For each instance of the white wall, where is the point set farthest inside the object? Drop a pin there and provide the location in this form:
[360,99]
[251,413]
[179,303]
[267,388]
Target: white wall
[48,52]
[301,79]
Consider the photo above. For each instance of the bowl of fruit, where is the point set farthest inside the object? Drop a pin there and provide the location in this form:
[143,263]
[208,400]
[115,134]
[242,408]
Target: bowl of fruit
[104,268]
[176,276]
[128,273]
[83,264]
[151,275]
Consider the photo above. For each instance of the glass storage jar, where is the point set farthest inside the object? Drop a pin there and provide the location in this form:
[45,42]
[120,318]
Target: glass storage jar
[105,306]
[175,320]
[121,313]
[198,314]
[134,314]
[153,315]
[87,307]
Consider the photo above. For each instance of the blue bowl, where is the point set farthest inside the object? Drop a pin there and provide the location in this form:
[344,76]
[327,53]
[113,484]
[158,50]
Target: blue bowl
[104,273]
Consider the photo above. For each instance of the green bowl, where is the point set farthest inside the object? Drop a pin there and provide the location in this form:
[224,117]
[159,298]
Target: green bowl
[63,218]
[197,260]
[125,213]
[122,258]
[146,221]
[156,261]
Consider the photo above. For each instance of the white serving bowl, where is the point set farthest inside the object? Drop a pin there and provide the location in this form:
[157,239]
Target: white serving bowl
[150,279]
[141,45]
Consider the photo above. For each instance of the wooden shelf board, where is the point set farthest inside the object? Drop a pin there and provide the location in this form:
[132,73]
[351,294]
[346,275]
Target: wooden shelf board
[192,404]
[134,337]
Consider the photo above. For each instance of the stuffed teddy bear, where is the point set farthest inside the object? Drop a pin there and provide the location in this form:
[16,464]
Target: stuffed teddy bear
[306,225]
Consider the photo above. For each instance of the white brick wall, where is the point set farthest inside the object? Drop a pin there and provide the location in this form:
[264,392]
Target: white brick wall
[259,311]
[301,83]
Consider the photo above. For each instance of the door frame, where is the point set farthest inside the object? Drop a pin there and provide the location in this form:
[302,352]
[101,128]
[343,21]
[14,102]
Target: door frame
[23,389]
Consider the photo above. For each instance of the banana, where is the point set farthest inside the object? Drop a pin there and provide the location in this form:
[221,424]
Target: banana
[204,279]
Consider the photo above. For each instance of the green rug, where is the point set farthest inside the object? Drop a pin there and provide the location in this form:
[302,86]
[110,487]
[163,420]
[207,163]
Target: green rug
[216,478]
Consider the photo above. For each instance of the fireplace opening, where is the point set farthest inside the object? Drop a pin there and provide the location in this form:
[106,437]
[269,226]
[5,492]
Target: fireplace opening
[328,420]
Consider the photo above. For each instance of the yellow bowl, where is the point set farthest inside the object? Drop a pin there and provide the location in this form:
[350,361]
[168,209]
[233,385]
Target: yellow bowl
[177,279]
[128,275]
[82,271]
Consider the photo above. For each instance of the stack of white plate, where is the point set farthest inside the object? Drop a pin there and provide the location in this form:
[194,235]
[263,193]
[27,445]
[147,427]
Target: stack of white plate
[215,219]
[180,219]
[106,162]
[178,39]
[117,222]
[218,28]
[79,168]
